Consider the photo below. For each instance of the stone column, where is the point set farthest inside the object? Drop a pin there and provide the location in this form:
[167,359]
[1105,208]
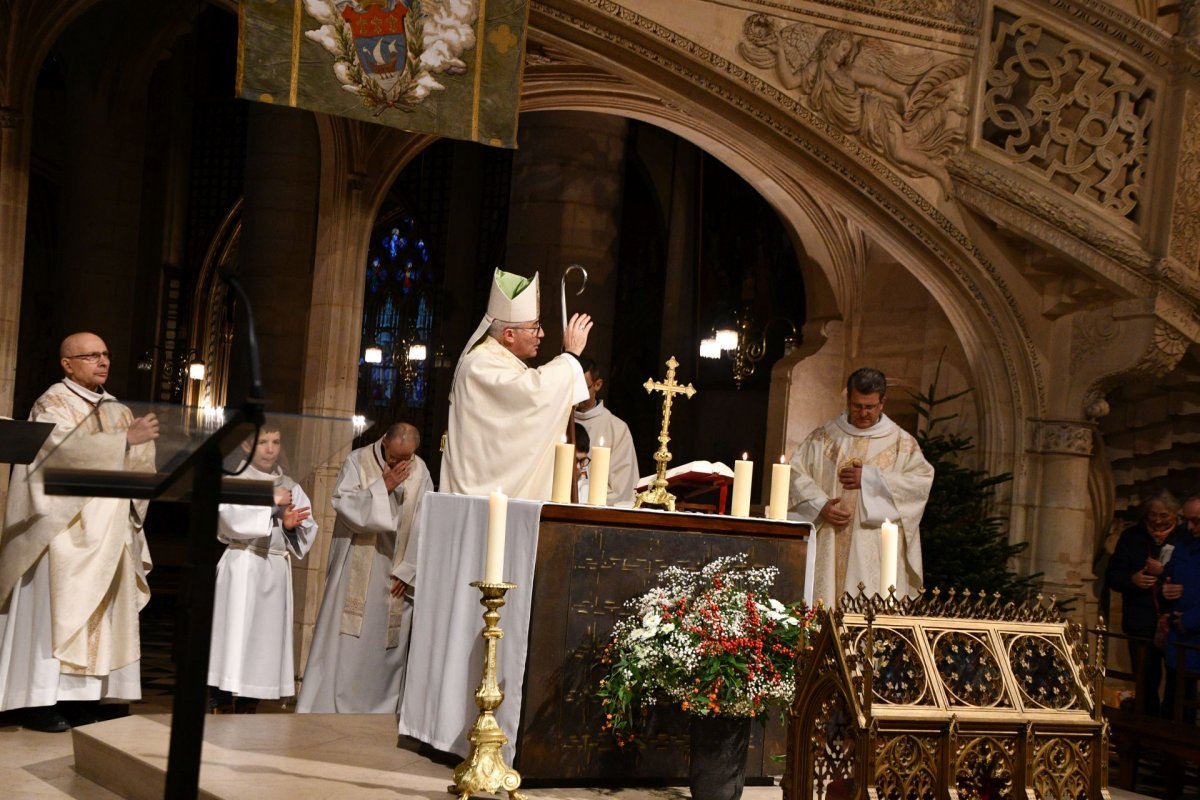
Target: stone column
[566,209]
[1061,548]
[14,203]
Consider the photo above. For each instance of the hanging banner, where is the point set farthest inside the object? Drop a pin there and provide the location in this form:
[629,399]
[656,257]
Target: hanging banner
[446,67]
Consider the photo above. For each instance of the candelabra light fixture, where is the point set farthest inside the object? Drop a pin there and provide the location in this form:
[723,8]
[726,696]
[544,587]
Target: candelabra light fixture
[183,367]
[406,355]
[745,347]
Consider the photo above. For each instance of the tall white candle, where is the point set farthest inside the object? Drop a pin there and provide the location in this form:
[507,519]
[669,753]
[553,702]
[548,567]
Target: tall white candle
[598,474]
[743,473]
[781,481]
[889,552]
[493,565]
[564,469]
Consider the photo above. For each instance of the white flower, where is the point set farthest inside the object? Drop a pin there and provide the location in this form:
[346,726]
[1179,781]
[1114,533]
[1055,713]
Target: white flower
[651,619]
[776,605]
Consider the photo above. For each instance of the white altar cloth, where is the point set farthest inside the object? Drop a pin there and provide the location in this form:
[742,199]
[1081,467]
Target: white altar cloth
[445,656]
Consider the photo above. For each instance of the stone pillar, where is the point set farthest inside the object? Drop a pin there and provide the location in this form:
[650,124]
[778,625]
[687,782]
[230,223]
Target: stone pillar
[332,339]
[565,209]
[14,203]
[1061,549]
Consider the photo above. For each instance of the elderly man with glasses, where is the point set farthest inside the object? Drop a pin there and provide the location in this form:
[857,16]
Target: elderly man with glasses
[73,569]
[505,416]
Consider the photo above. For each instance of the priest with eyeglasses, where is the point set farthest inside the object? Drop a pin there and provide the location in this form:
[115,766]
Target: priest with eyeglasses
[506,416]
[73,569]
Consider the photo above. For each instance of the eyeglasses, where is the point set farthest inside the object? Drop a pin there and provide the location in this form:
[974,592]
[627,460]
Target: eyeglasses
[583,462]
[91,358]
[533,329]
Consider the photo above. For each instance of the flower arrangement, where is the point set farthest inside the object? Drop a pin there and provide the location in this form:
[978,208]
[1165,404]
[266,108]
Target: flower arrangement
[713,640]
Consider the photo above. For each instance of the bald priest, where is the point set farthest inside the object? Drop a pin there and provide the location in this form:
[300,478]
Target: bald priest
[505,416]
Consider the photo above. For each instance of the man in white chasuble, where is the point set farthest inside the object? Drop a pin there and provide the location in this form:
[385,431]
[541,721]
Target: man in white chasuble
[360,646]
[73,569]
[607,430]
[848,477]
[505,416]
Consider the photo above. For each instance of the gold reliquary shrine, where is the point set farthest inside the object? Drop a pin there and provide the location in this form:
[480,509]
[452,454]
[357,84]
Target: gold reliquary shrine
[962,697]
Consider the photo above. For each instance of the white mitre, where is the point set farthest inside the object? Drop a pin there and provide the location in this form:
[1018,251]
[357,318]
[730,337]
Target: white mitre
[514,298]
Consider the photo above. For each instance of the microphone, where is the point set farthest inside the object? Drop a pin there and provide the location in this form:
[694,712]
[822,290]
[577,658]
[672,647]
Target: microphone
[256,393]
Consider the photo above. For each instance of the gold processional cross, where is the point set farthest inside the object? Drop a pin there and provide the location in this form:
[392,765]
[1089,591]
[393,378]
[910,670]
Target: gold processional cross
[657,494]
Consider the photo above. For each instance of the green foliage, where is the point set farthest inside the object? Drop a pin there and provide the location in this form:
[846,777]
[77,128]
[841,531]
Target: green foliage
[964,543]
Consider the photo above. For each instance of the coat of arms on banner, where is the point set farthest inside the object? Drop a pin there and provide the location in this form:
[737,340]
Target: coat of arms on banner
[449,67]
[386,52]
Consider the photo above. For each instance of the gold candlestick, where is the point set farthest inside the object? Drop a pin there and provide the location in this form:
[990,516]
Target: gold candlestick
[484,770]
[657,494]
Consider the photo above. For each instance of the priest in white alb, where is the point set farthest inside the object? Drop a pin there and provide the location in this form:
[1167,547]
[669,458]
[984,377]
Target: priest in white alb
[505,416]
[251,657]
[607,430]
[851,475]
[73,569]
[360,646]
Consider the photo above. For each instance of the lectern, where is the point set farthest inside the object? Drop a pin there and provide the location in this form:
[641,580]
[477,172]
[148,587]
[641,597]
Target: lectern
[196,454]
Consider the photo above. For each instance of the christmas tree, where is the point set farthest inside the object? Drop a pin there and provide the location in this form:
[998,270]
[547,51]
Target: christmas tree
[964,542]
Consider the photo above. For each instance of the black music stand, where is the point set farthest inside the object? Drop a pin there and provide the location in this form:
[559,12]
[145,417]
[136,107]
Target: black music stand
[20,441]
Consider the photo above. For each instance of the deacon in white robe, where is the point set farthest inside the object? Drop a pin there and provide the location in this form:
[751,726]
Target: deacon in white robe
[73,569]
[251,652]
[848,477]
[607,430]
[360,646]
[506,417]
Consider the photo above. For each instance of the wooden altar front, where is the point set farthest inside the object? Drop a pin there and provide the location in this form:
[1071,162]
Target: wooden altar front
[590,561]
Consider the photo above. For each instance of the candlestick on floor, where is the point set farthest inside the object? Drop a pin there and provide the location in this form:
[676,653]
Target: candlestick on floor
[484,770]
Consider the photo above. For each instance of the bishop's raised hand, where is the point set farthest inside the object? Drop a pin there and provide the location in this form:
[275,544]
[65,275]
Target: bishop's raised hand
[576,334]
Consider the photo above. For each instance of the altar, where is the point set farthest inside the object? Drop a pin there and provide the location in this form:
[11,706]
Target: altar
[574,566]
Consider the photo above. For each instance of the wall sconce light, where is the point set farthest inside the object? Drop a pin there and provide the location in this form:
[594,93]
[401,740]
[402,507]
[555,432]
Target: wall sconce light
[746,347]
[416,352]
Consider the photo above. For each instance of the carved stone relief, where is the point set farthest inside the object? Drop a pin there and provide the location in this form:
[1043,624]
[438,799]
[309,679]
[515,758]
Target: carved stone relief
[1070,114]
[943,14]
[904,105]
[1185,219]
[1065,437]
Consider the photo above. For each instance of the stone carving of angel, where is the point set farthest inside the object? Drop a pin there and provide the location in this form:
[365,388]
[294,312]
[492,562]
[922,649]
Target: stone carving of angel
[898,105]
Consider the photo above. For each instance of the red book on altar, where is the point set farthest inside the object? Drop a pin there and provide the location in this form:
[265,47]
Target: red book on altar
[697,486]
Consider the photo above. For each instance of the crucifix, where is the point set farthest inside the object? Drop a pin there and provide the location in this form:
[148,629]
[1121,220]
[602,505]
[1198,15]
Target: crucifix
[657,494]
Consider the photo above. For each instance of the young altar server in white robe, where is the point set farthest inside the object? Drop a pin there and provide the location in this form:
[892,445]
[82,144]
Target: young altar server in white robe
[848,477]
[505,416]
[251,654]
[608,430]
[73,569]
[360,645]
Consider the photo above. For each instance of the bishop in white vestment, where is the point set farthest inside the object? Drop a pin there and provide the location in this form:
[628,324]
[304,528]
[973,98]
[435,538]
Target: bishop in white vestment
[360,645]
[505,416]
[848,477]
[73,569]
[251,652]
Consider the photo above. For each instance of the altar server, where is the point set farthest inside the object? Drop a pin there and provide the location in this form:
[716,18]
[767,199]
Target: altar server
[506,417]
[848,477]
[252,610]
[606,429]
[360,645]
[73,569]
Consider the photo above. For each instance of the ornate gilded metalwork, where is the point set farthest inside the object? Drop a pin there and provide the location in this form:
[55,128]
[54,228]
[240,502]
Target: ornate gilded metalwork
[968,669]
[948,695]
[1043,673]
[983,768]
[1061,769]
[484,769]
[899,675]
[833,748]
[907,767]
[657,494]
